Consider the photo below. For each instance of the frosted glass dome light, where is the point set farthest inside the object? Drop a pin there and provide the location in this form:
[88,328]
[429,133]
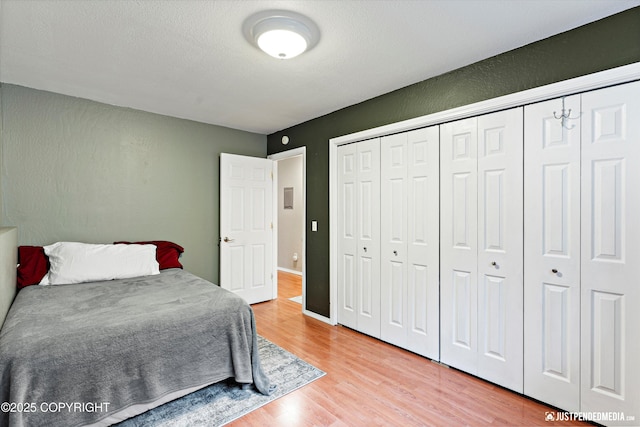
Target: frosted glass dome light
[281,34]
[282,44]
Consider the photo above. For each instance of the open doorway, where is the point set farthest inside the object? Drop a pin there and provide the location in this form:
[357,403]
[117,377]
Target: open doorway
[290,218]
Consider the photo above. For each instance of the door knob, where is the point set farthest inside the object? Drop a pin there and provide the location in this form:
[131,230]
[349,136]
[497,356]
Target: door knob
[227,240]
[395,253]
[493,263]
[554,271]
[365,249]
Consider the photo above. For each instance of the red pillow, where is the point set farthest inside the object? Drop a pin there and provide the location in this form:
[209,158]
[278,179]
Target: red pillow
[167,253]
[33,265]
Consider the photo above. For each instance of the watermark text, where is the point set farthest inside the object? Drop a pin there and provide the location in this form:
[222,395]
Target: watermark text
[54,407]
[597,417]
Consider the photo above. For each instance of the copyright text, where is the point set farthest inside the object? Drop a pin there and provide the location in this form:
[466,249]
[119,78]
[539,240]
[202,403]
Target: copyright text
[24,407]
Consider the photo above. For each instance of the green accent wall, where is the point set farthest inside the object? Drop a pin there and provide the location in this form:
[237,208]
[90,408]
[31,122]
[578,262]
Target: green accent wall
[601,45]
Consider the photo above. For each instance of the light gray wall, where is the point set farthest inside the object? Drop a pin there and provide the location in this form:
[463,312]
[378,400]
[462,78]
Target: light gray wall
[79,170]
[290,221]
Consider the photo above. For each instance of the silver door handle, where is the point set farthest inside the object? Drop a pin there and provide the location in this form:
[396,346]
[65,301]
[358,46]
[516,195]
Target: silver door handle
[227,240]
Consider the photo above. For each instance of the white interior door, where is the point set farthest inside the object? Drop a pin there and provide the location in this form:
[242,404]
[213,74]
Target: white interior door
[393,219]
[459,244]
[611,250]
[552,254]
[368,231]
[410,241]
[481,246]
[247,264]
[347,236]
[359,236]
[500,248]
[423,228]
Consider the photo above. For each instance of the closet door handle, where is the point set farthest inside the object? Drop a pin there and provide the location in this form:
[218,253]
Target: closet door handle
[493,263]
[365,249]
[554,271]
[227,240]
[395,253]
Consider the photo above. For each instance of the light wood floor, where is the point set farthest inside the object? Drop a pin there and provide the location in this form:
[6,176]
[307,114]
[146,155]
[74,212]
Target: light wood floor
[371,383]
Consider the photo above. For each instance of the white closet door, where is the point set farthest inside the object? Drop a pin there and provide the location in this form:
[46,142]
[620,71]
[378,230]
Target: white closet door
[552,254]
[500,248]
[368,232]
[393,195]
[459,245]
[611,250]
[409,241]
[423,252]
[359,234]
[347,235]
[482,247]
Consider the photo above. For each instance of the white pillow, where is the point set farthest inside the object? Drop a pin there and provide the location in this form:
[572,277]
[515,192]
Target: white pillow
[72,262]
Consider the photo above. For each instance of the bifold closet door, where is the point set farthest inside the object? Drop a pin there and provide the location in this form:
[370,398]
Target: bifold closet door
[359,234]
[552,253]
[482,246]
[459,244]
[409,241]
[611,250]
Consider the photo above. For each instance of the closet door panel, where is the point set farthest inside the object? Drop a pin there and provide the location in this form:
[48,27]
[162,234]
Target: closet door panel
[368,233]
[611,249]
[458,251]
[394,244]
[347,234]
[423,252]
[500,248]
[552,254]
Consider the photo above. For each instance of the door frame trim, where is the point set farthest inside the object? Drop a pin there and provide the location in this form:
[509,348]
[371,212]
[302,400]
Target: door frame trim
[295,152]
[614,76]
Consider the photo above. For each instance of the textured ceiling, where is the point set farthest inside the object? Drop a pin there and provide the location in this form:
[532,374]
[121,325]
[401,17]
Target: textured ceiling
[189,59]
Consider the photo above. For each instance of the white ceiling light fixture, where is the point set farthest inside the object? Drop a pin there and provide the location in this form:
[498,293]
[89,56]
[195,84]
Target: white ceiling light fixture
[281,33]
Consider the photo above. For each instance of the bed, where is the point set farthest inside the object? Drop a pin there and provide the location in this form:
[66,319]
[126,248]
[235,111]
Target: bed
[97,352]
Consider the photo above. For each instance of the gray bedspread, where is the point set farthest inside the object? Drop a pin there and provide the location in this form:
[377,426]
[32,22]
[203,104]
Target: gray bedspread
[67,350]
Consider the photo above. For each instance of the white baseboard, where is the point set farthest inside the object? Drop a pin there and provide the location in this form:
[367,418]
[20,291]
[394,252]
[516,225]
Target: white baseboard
[286,270]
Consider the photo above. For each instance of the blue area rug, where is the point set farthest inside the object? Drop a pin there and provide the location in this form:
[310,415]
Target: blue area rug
[221,403]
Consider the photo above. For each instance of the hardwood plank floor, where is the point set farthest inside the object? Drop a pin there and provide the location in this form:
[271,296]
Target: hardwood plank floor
[371,383]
